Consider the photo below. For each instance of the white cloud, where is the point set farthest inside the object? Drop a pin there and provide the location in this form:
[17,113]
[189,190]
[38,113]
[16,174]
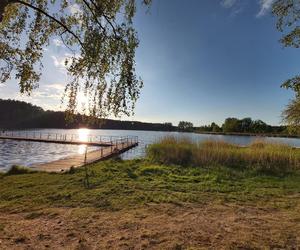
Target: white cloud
[57,42]
[2,85]
[58,62]
[55,86]
[75,9]
[265,6]
[228,3]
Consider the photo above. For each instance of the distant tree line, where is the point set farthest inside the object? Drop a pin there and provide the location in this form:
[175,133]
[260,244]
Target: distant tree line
[22,115]
[246,125]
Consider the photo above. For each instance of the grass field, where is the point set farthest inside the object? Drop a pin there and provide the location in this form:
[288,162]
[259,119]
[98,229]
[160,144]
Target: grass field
[152,204]
[121,185]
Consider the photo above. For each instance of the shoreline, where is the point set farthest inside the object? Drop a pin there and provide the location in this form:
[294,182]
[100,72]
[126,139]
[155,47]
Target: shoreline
[174,131]
[249,134]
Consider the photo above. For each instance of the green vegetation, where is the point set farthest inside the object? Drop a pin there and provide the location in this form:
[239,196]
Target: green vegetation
[118,185]
[245,125]
[185,126]
[259,155]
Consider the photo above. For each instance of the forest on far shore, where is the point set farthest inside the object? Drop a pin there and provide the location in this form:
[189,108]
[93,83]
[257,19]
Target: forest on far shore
[21,115]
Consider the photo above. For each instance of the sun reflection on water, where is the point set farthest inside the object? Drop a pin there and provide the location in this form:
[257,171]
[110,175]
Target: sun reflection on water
[83,136]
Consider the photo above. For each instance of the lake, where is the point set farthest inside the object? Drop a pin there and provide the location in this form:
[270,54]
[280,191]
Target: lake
[29,153]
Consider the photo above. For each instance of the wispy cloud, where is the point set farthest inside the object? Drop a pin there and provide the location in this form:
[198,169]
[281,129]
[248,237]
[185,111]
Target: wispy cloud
[236,6]
[60,62]
[265,6]
[55,86]
[228,3]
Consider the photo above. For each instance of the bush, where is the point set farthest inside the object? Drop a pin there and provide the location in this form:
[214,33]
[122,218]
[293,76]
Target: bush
[259,155]
[16,170]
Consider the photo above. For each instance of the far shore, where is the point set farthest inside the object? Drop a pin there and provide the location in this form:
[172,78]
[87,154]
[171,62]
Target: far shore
[247,134]
[168,131]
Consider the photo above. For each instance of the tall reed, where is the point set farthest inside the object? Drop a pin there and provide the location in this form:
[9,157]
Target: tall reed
[258,155]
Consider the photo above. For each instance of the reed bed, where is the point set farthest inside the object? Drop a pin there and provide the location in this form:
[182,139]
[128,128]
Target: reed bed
[258,155]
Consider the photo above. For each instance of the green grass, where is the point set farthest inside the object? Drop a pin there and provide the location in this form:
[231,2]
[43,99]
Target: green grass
[259,155]
[128,184]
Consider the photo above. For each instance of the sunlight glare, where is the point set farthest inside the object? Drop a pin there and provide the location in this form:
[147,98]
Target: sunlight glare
[83,134]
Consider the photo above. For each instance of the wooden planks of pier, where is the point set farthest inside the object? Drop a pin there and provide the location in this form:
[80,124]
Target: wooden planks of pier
[110,146]
[102,154]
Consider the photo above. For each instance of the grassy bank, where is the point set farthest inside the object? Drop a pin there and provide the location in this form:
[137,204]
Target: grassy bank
[146,204]
[259,155]
[116,185]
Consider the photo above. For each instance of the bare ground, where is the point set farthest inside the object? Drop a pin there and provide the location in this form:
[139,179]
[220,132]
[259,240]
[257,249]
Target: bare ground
[163,226]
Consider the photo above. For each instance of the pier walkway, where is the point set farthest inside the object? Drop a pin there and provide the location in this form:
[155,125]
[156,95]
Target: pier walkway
[109,146]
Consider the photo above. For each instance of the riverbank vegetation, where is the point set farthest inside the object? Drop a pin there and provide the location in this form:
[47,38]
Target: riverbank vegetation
[162,201]
[258,155]
[245,126]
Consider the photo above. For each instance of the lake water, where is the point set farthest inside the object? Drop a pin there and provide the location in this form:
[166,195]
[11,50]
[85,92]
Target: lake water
[29,153]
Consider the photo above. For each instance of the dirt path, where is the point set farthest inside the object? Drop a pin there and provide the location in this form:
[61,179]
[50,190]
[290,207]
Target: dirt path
[153,227]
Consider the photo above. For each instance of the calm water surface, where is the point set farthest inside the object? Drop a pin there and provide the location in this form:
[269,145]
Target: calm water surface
[30,153]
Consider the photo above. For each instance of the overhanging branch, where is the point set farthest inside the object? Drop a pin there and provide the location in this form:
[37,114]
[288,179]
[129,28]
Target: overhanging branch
[52,18]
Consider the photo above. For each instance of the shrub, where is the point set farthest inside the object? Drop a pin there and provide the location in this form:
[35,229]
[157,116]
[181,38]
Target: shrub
[15,170]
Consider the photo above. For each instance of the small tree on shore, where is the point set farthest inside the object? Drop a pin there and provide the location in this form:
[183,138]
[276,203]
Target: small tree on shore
[185,126]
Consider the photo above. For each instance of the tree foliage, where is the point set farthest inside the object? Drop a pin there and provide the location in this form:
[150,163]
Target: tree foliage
[288,17]
[100,37]
[245,125]
[185,126]
[291,115]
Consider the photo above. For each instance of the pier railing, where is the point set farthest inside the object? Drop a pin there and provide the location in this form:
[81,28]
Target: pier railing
[104,140]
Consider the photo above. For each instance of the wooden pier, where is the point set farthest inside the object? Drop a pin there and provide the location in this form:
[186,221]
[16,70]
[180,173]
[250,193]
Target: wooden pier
[109,146]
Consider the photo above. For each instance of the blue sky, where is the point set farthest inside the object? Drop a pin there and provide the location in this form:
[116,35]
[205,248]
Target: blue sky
[201,61]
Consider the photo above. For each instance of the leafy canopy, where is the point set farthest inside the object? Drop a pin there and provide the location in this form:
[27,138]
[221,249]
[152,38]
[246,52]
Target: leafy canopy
[288,17]
[100,37]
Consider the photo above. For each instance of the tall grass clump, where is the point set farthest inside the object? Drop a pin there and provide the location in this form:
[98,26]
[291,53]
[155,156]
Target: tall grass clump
[258,155]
